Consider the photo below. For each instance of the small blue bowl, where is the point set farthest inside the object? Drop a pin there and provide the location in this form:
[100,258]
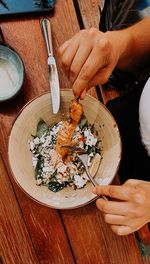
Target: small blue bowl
[11,57]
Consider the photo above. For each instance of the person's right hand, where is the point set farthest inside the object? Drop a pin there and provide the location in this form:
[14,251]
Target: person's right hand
[89,58]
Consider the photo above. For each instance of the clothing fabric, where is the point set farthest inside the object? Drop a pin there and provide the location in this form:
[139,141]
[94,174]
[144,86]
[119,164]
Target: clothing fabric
[119,14]
[130,112]
[135,162]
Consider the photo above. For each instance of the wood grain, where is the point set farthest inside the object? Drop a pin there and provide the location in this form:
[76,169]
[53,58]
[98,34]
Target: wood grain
[90,12]
[94,242]
[15,243]
[45,226]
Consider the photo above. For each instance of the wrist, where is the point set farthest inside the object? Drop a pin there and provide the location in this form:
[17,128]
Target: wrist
[126,43]
[122,42]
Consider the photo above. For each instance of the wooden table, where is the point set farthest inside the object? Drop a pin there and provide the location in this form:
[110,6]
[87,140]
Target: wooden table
[29,232]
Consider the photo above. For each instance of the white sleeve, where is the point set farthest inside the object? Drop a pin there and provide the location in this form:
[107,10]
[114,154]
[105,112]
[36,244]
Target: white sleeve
[144,116]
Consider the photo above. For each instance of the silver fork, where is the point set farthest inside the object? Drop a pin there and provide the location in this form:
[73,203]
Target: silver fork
[83,157]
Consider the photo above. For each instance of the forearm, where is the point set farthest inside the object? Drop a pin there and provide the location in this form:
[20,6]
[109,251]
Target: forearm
[134,44]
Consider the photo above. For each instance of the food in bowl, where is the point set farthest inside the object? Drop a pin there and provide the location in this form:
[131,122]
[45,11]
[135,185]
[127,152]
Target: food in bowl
[54,166]
[20,157]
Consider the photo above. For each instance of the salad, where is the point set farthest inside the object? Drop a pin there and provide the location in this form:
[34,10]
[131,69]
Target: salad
[54,169]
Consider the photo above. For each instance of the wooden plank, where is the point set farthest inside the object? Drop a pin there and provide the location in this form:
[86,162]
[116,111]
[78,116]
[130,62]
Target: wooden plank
[94,242]
[90,12]
[15,243]
[44,225]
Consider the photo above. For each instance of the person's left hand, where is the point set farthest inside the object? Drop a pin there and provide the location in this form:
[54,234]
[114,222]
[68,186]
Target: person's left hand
[131,208]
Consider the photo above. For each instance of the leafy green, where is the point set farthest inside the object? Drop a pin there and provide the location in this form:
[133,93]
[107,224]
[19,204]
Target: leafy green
[38,169]
[54,174]
[83,122]
[56,186]
[42,128]
[93,149]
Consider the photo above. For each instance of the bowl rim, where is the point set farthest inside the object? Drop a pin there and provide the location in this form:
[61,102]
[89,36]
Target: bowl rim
[42,203]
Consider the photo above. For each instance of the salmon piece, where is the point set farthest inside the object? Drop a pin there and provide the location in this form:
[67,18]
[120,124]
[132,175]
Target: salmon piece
[67,129]
[76,111]
[64,137]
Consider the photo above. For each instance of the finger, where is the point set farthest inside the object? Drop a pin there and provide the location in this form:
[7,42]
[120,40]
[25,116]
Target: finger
[113,207]
[115,219]
[64,46]
[68,54]
[89,69]
[77,89]
[113,191]
[122,230]
[83,94]
[78,61]
[100,78]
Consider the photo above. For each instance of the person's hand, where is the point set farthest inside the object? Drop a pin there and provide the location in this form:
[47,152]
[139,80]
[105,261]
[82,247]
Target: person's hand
[89,58]
[131,208]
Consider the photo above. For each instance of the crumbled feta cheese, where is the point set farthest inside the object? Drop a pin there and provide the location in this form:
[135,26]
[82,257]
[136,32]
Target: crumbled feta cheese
[55,130]
[47,142]
[34,162]
[62,169]
[79,181]
[91,155]
[59,176]
[90,139]
[38,181]
[32,145]
[46,164]
[84,176]
[77,129]
[46,169]
[45,176]
[36,141]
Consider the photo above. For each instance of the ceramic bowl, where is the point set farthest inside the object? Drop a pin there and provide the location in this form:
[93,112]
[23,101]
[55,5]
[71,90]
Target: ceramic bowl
[8,55]
[20,157]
